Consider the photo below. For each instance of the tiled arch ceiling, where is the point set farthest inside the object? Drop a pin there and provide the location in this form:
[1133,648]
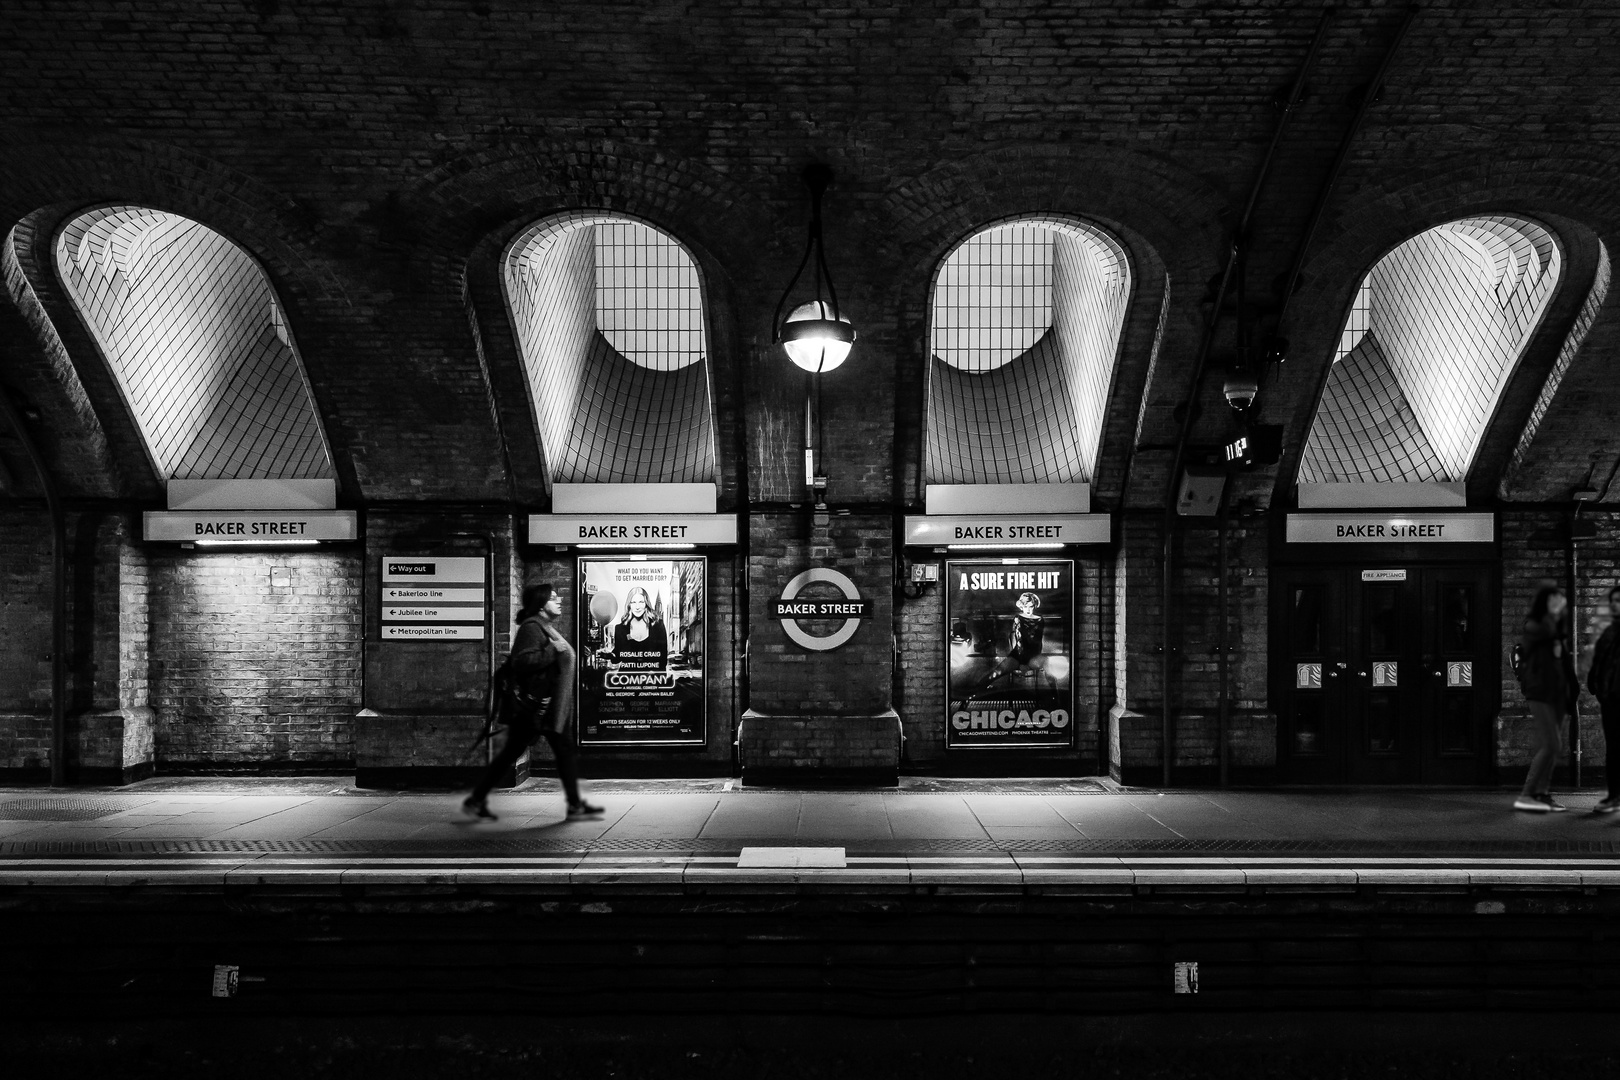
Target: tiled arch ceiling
[198,345]
[1435,333]
[608,315]
[1025,331]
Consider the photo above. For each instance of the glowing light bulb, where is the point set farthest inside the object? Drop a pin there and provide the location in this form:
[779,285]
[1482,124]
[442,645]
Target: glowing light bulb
[814,340]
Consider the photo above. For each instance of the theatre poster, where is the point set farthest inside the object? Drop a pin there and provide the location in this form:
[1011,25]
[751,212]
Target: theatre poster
[1009,644]
[642,626]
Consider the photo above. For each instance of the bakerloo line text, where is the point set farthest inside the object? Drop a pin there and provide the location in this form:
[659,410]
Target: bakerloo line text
[1008,719]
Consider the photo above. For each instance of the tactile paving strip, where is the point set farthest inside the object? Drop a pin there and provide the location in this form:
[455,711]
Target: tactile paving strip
[68,808]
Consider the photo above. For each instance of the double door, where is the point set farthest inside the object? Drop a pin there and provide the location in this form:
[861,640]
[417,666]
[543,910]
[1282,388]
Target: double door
[1385,675]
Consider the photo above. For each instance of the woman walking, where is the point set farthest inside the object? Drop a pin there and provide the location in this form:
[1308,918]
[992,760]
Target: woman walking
[543,667]
[1547,677]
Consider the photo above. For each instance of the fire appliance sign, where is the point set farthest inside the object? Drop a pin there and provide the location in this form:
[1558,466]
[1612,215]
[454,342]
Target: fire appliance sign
[434,598]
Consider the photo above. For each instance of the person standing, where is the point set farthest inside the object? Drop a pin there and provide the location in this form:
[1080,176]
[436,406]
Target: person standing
[1547,677]
[543,668]
[1603,679]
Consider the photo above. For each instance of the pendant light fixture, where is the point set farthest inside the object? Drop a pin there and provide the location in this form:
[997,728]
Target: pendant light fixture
[816,335]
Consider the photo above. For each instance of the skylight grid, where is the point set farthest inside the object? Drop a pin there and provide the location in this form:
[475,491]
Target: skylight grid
[1436,331]
[183,316]
[609,318]
[1027,317]
[1566,355]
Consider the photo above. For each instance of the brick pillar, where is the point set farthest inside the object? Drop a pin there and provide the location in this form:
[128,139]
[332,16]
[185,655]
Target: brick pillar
[811,712]
[25,636]
[424,701]
[1134,724]
[111,722]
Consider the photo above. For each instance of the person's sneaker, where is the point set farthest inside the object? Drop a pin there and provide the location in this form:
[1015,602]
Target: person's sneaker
[1607,806]
[478,811]
[583,809]
[1534,805]
[1553,804]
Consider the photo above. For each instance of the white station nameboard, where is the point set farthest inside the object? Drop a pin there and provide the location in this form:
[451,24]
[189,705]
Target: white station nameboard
[1376,528]
[631,530]
[992,530]
[433,598]
[249,526]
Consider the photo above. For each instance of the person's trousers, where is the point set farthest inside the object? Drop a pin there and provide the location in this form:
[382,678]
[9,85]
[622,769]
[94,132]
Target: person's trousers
[518,738]
[1546,721]
[1611,742]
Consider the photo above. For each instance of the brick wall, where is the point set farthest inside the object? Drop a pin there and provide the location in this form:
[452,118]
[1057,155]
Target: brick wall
[110,620]
[250,675]
[920,675]
[25,613]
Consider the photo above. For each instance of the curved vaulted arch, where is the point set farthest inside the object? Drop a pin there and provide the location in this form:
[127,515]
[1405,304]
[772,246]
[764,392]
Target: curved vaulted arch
[1026,318]
[1433,337]
[608,314]
[198,345]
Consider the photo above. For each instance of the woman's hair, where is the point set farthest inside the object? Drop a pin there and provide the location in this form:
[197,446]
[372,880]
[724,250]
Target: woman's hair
[535,597]
[1031,599]
[1614,592]
[1538,607]
[651,618]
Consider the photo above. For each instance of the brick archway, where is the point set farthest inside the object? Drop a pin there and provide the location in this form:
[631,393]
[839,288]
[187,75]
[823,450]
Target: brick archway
[1575,199]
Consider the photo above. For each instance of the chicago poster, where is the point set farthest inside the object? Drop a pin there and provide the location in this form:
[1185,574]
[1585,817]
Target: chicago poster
[1009,646]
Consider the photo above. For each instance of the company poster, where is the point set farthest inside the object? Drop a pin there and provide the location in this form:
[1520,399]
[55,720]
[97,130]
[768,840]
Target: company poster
[1009,650]
[641,634]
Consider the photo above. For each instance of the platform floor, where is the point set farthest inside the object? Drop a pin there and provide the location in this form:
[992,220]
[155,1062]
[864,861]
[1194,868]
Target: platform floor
[322,831]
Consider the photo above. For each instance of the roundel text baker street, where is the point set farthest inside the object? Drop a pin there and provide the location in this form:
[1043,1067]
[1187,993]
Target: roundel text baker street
[850,607]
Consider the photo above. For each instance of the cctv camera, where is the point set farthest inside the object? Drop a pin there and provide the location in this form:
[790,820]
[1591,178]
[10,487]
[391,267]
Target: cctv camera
[1240,390]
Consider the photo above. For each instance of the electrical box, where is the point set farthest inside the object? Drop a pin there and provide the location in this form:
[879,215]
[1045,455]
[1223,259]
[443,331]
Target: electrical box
[924,573]
[1200,494]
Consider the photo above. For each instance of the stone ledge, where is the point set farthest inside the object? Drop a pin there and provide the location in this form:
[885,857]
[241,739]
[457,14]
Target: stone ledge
[118,746]
[795,748]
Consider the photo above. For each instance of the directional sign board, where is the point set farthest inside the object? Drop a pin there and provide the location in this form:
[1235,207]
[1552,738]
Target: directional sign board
[433,598]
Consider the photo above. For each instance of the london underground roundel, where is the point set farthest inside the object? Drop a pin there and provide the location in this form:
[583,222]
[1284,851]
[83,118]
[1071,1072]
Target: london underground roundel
[790,608]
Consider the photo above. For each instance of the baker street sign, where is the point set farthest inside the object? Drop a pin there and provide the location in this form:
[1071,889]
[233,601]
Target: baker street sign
[820,609]
[850,606]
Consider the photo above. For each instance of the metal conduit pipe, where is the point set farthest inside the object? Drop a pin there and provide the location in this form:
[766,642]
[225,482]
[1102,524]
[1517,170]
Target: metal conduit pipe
[1572,642]
[1221,649]
[59,589]
[1206,342]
